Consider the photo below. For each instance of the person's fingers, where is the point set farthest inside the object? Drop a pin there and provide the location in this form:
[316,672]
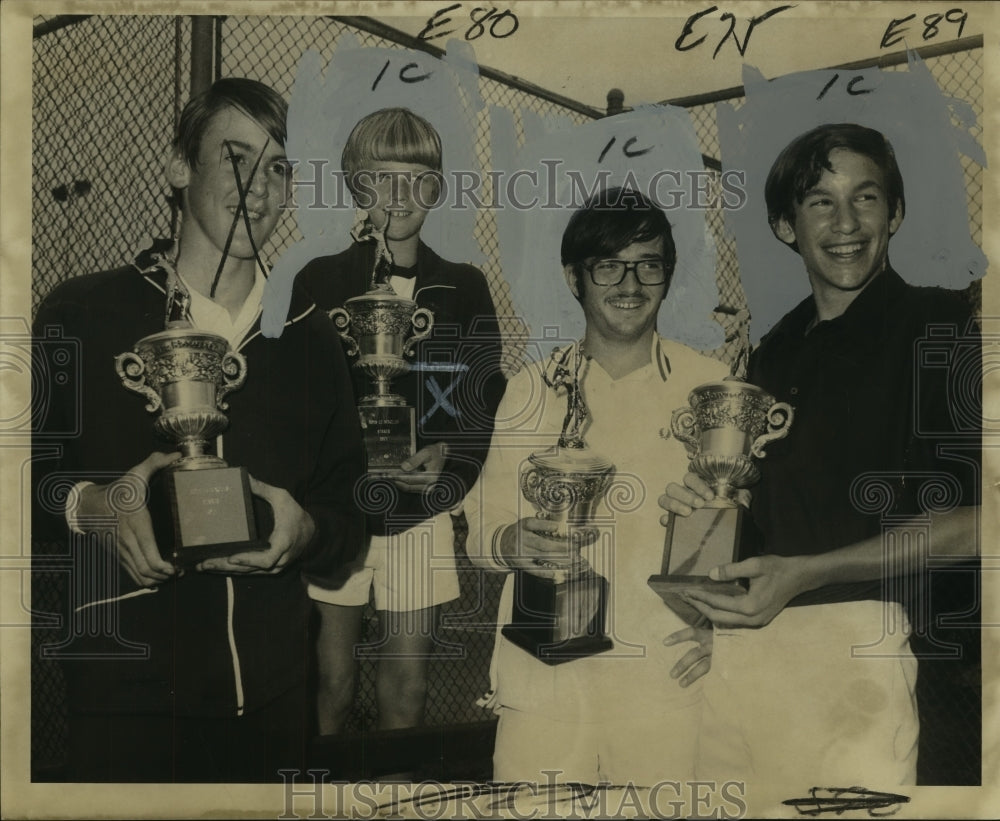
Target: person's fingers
[546,557]
[272,560]
[673,506]
[222,564]
[121,553]
[747,569]
[154,462]
[701,488]
[720,616]
[546,571]
[415,482]
[687,634]
[695,672]
[135,532]
[689,659]
[432,456]
[268,492]
[680,499]
[149,559]
[421,457]
[706,610]
[722,602]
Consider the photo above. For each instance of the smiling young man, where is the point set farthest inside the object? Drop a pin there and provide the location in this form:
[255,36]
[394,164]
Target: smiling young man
[197,675]
[824,694]
[620,716]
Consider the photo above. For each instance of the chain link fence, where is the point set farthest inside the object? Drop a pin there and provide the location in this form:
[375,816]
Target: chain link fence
[104,106]
[107,92]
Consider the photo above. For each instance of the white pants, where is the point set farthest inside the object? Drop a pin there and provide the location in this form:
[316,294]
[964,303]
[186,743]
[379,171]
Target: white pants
[644,751]
[821,697]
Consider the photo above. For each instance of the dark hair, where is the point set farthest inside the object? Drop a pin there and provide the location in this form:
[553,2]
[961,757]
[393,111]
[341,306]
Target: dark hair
[803,161]
[259,102]
[390,135]
[610,221]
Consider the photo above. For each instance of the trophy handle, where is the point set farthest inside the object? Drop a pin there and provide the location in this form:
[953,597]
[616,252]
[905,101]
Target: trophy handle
[422,321]
[234,374]
[132,372]
[530,480]
[684,426]
[342,321]
[779,420]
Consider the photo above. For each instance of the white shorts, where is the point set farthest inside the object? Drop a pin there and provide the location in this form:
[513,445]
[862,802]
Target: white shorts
[412,570]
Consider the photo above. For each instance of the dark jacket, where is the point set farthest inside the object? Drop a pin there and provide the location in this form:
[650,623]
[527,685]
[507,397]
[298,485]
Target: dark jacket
[461,355]
[207,643]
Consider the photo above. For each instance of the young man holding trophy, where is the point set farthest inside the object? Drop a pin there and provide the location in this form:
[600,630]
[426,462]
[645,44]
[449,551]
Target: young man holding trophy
[188,616]
[423,334]
[585,673]
[852,500]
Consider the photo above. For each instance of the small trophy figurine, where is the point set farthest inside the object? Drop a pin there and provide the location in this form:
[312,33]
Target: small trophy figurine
[203,508]
[724,428]
[562,618]
[382,329]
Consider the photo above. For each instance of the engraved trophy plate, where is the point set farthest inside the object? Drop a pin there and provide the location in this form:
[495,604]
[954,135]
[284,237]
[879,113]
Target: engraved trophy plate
[725,427]
[200,506]
[382,329]
[390,436]
[562,618]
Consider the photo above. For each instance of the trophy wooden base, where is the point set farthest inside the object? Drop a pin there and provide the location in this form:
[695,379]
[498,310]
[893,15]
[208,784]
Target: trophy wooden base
[669,589]
[693,545]
[208,512]
[390,435]
[558,621]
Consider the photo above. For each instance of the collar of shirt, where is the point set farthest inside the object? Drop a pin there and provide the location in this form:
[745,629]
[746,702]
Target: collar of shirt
[657,357]
[403,286]
[208,315]
[864,317]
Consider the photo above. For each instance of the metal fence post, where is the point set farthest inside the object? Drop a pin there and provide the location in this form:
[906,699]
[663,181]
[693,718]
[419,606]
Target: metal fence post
[202,53]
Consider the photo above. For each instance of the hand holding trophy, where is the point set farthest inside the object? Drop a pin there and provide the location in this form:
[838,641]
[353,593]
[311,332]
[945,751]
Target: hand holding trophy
[204,508]
[725,426]
[560,616]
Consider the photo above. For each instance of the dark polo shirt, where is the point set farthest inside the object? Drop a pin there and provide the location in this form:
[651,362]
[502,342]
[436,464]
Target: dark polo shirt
[886,421]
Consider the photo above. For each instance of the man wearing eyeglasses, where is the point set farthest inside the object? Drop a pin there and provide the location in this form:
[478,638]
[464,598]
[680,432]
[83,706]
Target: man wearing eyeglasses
[622,715]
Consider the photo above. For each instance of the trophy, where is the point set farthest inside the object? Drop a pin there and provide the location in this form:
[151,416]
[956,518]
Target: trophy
[725,427]
[203,508]
[382,329]
[562,618]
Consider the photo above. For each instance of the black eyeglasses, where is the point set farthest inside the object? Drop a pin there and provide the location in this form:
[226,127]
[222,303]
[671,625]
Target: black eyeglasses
[652,271]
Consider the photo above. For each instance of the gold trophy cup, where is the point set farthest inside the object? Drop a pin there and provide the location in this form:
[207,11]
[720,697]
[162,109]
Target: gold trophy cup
[207,509]
[725,427]
[382,329]
[562,618]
